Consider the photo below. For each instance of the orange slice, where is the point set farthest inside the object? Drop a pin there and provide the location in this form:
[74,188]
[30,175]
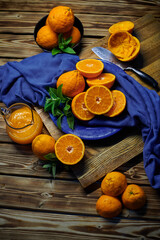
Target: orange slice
[121,26]
[79,108]
[119,103]
[90,68]
[98,99]
[105,79]
[124,46]
[69,149]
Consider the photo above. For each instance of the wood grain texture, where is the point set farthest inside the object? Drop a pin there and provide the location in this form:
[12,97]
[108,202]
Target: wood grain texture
[25,225]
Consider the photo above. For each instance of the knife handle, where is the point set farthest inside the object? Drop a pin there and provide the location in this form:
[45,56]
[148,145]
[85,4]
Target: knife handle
[145,77]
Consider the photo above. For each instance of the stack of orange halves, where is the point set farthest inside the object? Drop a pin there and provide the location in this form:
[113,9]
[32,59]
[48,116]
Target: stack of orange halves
[115,192]
[98,99]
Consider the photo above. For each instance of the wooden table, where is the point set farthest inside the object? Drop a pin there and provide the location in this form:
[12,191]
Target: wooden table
[33,205]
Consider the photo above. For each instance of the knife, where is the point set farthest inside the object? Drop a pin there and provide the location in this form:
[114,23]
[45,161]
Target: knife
[105,54]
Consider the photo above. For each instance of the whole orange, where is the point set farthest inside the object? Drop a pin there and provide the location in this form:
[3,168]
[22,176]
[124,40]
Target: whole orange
[73,83]
[42,145]
[47,38]
[133,197]
[113,184]
[108,206]
[61,19]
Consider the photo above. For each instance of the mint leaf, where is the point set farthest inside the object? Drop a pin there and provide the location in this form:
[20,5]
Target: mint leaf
[67,41]
[55,51]
[70,120]
[54,166]
[50,156]
[69,50]
[59,120]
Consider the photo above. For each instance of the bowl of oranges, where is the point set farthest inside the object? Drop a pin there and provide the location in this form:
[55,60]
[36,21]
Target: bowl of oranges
[60,28]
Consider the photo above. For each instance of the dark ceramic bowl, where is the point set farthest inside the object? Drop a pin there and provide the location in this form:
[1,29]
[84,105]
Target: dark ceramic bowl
[41,23]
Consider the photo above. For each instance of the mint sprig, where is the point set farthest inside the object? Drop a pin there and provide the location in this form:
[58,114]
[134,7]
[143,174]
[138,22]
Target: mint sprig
[59,105]
[52,165]
[64,45]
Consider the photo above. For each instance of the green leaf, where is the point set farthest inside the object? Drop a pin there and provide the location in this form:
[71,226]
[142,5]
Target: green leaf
[55,51]
[50,156]
[48,105]
[70,120]
[47,165]
[69,50]
[66,108]
[60,94]
[59,119]
[67,41]
[54,165]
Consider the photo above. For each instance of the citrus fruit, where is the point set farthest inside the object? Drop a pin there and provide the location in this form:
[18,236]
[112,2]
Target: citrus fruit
[119,103]
[113,184]
[133,197]
[42,145]
[90,68]
[124,46]
[73,83]
[61,19]
[121,26]
[79,109]
[105,79]
[98,99]
[108,206]
[46,38]
[74,33]
[69,149]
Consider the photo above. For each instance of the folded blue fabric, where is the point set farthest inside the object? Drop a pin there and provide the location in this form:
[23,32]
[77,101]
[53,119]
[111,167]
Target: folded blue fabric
[26,81]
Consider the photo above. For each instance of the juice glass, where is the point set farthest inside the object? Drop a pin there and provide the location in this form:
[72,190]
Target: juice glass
[23,123]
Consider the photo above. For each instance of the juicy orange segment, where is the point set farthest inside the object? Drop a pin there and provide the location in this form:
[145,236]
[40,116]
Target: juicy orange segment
[69,149]
[79,108]
[90,68]
[98,99]
[124,46]
[121,26]
[119,103]
[105,79]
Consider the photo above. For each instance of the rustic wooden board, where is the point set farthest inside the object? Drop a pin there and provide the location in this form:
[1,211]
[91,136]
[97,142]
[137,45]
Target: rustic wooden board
[96,164]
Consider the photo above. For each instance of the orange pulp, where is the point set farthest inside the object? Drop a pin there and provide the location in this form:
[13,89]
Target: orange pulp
[20,118]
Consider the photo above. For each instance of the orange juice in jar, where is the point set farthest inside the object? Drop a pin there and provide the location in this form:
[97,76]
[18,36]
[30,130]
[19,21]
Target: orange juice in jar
[23,123]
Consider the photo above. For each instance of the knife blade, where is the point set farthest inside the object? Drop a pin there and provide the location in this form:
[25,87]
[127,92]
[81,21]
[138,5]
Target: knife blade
[105,54]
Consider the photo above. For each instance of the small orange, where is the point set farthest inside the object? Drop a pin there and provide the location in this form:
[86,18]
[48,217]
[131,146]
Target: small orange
[42,145]
[69,149]
[79,109]
[46,38]
[119,103]
[74,33]
[113,184]
[90,68]
[105,79]
[73,83]
[61,19]
[133,197]
[121,26]
[98,99]
[124,46]
[108,207]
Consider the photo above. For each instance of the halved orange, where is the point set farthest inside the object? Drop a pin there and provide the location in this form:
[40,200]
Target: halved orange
[119,103]
[69,149]
[79,108]
[98,99]
[121,26]
[105,79]
[90,68]
[124,46]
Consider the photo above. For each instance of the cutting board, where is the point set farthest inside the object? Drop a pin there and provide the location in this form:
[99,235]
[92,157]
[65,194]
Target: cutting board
[106,155]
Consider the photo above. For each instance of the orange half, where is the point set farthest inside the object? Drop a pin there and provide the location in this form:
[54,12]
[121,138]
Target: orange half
[105,79]
[90,68]
[98,99]
[121,26]
[79,108]
[119,103]
[69,149]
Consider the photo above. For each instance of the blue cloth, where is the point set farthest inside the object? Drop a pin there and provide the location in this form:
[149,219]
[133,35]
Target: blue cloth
[26,81]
